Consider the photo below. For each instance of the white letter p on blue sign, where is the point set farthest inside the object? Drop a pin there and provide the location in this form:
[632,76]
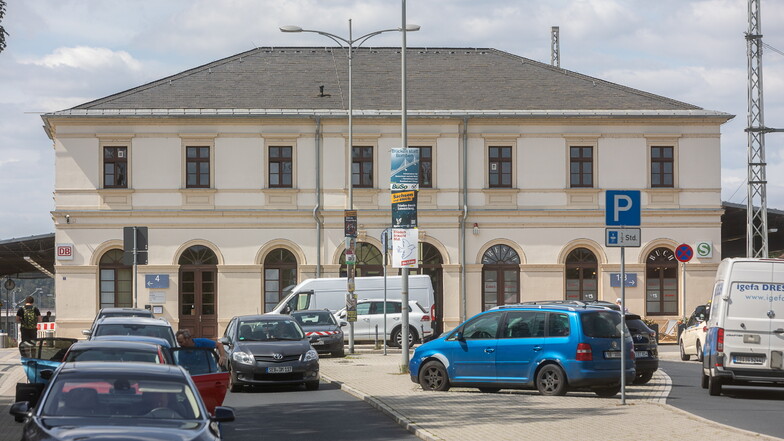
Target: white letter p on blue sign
[623,208]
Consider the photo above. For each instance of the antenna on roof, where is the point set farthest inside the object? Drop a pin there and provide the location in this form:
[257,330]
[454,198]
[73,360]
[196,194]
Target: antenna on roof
[555,47]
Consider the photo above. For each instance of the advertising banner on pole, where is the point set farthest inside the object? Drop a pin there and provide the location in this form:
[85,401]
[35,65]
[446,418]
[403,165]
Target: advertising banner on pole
[404,184]
[405,244]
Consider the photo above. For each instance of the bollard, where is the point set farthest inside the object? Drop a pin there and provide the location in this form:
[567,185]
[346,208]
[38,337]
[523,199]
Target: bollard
[377,345]
[49,333]
[3,339]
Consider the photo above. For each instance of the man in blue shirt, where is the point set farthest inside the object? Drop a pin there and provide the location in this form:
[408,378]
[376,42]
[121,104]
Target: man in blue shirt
[186,340]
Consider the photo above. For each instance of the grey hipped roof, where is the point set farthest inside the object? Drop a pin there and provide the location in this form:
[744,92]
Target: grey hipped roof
[440,81]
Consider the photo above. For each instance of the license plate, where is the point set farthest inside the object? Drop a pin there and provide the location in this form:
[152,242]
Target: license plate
[317,342]
[612,354]
[640,354]
[748,359]
[278,369]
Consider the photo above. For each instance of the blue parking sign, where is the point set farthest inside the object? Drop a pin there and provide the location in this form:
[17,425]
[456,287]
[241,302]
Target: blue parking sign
[623,208]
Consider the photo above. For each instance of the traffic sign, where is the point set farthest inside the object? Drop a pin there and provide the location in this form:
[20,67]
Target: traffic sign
[684,253]
[704,249]
[623,208]
[156,281]
[622,237]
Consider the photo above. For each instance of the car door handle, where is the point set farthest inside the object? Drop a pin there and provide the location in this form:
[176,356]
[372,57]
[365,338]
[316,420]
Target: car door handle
[489,350]
[366,319]
[779,331]
[537,348]
[395,318]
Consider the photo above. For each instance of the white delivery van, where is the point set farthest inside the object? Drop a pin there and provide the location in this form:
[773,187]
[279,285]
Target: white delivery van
[330,293]
[745,340]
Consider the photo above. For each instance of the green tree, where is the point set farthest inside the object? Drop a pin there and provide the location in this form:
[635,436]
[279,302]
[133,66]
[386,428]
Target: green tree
[3,33]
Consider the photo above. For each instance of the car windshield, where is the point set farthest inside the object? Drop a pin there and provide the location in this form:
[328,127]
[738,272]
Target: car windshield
[163,332]
[265,330]
[121,395]
[601,324]
[114,354]
[315,318]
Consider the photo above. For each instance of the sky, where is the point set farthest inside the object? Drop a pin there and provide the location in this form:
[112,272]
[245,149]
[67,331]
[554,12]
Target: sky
[62,53]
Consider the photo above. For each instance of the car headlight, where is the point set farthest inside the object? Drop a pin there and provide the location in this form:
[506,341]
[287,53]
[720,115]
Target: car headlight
[243,357]
[310,355]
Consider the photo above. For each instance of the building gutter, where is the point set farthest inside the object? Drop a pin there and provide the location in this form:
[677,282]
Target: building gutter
[463,224]
[317,207]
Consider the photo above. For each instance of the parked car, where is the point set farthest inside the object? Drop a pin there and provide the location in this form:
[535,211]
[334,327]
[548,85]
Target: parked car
[646,349]
[693,337]
[134,326]
[130,401]
[745,340]
[112,350]
[118,312]
[323,330]
[370,321]
[553,348]
[269,349]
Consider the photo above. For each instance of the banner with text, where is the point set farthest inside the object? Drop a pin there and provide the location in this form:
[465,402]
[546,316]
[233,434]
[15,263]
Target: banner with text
[405,244]
[404,184]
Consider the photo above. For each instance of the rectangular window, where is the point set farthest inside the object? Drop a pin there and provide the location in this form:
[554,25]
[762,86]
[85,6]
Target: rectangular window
[362,167]
[280,166]
[425,167]
[581,167]
[662,166]
[115,167]
[197,165]
[500,163]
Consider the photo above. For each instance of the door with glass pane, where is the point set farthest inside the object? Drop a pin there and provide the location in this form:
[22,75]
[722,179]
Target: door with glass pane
[198,310]
[500,277]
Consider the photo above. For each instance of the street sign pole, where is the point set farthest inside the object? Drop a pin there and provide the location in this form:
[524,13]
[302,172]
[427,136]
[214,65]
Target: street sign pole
[135,272]
[623,329]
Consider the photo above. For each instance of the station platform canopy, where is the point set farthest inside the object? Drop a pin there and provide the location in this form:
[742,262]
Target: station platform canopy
[27,257]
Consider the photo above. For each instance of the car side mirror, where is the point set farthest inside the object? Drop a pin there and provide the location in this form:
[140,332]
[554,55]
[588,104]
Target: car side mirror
[46,374]
[342,323]
[314,338]
[223,414]
[20,410]
[286,310]
[459,336]
[86,332]
[224,341]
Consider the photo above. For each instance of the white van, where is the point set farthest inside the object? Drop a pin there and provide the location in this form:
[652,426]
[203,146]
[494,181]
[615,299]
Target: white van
[745,340]
[330,293]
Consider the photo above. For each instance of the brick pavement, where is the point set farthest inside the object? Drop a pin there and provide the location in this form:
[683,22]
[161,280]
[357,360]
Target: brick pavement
[467,414]
[10,373]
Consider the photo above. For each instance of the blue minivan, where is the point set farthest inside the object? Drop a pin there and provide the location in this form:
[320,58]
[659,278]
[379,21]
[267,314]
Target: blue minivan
[548,346]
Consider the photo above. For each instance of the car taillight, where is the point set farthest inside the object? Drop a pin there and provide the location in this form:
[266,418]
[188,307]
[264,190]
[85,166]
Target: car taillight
[425,318]
[720,340]
[584,352]
[433,312]
[704,329]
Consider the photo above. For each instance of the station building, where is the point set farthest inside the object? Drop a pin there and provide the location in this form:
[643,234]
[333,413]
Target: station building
[238,169]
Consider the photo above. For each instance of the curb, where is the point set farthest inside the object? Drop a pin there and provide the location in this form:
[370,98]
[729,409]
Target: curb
[761,436]
[392,413]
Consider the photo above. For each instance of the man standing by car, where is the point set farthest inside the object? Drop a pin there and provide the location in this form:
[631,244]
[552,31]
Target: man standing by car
[186,340]
[28,317]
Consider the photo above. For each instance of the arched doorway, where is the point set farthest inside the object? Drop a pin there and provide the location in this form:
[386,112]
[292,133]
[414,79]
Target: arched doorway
[431,263]
[198,291]
[581,269]
[116,280]
[500,277]
[661,283]
[370,261]
[280,271]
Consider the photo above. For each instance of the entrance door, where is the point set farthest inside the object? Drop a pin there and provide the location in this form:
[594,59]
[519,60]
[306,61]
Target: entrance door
[197,301]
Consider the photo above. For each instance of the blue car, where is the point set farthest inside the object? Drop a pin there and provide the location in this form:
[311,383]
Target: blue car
[553,348]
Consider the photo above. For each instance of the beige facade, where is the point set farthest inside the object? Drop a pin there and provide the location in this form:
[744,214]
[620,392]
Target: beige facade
[242,219]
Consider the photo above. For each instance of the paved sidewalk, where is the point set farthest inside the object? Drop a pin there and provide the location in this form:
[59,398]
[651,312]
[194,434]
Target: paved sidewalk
[467,414]
[10,373]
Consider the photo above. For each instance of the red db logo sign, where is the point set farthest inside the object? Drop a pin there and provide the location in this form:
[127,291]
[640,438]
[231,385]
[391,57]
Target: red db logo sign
[64,251]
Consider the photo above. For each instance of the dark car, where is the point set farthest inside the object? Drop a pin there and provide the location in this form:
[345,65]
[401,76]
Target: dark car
[108,350]
[269,349]
[646,350]
[118,312]
[324,332]
[148,327]
[129,401]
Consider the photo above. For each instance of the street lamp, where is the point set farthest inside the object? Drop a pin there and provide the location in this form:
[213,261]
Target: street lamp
[349,44]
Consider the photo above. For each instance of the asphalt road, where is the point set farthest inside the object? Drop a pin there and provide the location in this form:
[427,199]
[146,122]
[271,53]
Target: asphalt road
[292,413]
[758,409]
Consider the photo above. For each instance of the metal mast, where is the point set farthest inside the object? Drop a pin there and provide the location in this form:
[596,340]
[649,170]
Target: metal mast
[555,47]
[757,208]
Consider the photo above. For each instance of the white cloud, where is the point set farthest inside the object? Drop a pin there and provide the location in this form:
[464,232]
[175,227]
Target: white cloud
[87,58]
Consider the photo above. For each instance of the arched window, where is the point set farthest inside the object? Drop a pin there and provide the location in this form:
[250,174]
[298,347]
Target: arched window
[661,283]
[280,272]
[199,291]
[116,280]
[370,261]
[581,269]
[500,276]
[198,255]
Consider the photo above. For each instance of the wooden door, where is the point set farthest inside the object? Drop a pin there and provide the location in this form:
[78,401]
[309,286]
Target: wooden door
[198,300]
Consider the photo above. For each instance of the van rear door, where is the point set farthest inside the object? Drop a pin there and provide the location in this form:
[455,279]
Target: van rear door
[747,325]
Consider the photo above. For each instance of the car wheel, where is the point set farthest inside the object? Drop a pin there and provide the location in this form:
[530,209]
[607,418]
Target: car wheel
[234,384]
[489,390]
[433,377]
[699,351]
[704,382]
[340,353]
[312,385]
[551,380]
[684,357]
[714,386]
[607,392]
[643,377]
[397,337]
